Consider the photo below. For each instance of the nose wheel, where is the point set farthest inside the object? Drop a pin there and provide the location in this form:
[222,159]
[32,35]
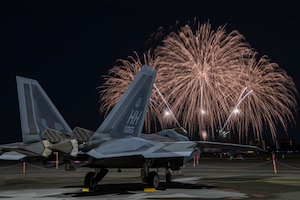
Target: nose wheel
[150,178]
[89,181]
[91,178]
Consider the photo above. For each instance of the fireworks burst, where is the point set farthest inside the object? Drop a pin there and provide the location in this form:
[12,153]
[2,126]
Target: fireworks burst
[212,81]
[272,101]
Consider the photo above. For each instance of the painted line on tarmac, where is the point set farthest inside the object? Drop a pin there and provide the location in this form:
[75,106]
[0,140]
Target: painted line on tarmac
[225,181]
[281,181]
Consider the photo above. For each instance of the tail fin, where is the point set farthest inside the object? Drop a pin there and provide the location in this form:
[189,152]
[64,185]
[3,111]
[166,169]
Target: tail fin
[37,112]
[127,116]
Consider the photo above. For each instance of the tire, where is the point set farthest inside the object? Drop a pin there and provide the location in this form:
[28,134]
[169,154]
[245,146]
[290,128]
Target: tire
[89,181]
[153,180]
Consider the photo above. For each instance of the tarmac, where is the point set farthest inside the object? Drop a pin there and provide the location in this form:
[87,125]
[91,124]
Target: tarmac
[258,178]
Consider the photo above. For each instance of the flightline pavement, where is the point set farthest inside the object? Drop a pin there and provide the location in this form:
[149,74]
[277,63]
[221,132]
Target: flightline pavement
[213,178]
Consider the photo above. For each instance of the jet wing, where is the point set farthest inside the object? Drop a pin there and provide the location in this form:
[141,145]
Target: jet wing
[7,152]
[226,146]
[134,152]
[12,155]
[32,149]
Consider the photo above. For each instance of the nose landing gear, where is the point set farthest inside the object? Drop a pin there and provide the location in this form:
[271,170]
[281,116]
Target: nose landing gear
[92,178]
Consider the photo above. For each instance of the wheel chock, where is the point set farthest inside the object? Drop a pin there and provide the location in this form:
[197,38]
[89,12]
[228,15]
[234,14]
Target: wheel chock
[149,189]
[85,189]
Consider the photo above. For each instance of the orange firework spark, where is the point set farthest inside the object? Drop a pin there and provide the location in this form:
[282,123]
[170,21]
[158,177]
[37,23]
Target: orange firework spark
[212,80]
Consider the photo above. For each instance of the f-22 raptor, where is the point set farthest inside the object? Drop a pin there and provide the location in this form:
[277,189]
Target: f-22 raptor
[117,143]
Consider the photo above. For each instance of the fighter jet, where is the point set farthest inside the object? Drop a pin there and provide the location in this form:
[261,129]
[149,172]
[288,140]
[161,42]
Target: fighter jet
[117,143]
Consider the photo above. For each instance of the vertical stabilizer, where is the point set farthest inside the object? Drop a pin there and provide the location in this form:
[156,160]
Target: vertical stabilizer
[37,112]
[128,115]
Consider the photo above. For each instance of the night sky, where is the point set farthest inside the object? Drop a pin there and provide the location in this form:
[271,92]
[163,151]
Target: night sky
[68,46]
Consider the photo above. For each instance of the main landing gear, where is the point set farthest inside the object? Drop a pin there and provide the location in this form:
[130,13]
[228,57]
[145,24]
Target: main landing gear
[151,178]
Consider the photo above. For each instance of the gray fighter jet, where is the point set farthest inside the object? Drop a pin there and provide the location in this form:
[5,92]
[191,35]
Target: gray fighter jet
[117,143]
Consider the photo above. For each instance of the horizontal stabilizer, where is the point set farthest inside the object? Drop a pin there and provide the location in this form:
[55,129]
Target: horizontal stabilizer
[12,155]
[38,148]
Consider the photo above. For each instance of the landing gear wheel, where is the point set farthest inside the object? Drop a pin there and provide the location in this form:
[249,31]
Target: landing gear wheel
[89,181]
[153,180]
